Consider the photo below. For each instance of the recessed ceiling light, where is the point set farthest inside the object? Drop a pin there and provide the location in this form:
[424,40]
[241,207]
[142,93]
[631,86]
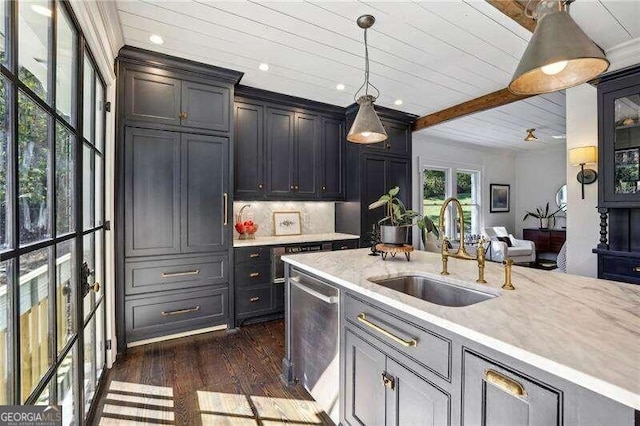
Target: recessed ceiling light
[156,39]
[263,67]
[340,86]
[41,10]
[559,136]
[398,102]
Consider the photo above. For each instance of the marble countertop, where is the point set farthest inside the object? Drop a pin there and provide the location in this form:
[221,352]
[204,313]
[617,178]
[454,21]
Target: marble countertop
[293,239]
[584,330]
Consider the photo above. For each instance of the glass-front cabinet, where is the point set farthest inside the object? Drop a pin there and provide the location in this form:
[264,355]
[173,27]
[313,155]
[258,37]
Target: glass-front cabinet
[619,105]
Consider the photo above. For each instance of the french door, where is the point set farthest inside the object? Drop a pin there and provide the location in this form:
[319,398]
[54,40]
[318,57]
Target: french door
[52,260]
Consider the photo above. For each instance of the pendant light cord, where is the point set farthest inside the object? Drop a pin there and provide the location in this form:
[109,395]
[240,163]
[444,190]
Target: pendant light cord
[366,83]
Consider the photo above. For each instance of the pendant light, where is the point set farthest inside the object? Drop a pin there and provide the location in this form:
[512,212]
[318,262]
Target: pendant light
[366,127]
[530,136]
[559,54]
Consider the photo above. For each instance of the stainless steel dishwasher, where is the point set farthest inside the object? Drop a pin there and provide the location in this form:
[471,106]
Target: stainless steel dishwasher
[315,327]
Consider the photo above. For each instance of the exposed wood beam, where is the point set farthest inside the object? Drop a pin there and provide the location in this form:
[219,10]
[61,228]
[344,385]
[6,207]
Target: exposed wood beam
[492,100]
[516,11]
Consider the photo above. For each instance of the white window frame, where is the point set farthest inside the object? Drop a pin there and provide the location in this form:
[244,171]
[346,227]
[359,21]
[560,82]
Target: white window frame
[451,169]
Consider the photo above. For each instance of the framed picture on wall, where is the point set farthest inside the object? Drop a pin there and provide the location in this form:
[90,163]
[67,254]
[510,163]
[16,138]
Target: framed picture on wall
[500,198]
[286,223]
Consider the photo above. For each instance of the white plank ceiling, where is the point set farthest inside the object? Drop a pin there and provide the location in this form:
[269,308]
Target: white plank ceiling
[430,54]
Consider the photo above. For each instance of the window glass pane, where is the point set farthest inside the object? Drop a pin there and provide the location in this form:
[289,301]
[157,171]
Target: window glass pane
[99,341]
[43,398]
[33,44]
[65,65]
[88,257]
[4,40]
[65,292]
[89,363]
[99,266]
[34,322]
[5,335]
[33,165]
[99,115]
[88,176]
[88,100]
[67,396]
[467,184]
[65,184]
[434,193]
[99,180]
[5,199]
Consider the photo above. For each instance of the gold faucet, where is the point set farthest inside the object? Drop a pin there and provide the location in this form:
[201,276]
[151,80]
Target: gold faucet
[507,275]
[460,252]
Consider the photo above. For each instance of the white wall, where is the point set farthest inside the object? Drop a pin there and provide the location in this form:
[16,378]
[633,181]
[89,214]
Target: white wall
[496,166]
[582,216]
[539,175]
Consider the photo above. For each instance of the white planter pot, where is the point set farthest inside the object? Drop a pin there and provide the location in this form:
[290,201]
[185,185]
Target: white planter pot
[544,223]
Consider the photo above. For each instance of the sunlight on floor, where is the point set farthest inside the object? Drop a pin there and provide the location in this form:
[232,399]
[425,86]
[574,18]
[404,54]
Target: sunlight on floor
[133,404]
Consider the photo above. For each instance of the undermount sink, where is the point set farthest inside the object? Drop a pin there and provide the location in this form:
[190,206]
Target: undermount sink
[434,291]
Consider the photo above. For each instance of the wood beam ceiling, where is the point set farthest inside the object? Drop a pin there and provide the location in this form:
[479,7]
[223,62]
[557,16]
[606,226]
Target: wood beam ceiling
[516,11]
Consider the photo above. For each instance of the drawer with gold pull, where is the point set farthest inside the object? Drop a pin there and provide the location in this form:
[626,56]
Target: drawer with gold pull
[173,312]
[248,275]
[428,349]
[175,274]
[626,269]
[253,300]
[253,255]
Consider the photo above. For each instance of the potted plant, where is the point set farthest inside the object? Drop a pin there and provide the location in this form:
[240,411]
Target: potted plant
[395,225]
[542,215]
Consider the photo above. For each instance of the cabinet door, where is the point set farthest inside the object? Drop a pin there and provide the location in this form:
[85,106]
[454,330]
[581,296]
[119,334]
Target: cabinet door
[331,159]
[152,98]
[306,160]
[399,140]
[152,192]
[364,395]
[509,400]
[205,206]
[413,400]
[280,153]
[399,174]
[249,151]
[373,186]
[205,106]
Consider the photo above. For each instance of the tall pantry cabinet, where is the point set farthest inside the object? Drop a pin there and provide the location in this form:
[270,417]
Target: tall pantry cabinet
[173,196]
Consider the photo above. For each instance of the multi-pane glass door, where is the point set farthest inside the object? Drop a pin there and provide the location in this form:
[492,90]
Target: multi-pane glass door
[52,138]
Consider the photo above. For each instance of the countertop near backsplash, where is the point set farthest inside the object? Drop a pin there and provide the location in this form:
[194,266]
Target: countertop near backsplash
[317,217]
[294,239]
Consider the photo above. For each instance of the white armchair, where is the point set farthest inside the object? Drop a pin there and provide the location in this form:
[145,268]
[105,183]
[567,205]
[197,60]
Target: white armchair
[520,251]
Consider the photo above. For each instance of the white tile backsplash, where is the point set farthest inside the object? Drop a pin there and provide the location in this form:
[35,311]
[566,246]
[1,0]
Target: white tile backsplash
[318,217]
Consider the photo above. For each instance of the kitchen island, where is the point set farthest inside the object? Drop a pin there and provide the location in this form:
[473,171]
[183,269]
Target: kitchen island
[559,349]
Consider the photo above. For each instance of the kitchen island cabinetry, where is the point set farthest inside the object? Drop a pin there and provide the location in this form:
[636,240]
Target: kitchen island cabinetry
[402,357]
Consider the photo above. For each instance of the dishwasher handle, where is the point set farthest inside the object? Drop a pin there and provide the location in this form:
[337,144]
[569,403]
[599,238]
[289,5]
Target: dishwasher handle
[327,299]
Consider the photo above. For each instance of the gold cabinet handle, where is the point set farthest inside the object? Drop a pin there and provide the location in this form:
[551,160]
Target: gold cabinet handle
[180,274]
[254,255]
[225,198]
[406,343]
[636,269]
[344,247]
[180,311]
[254,299]
[254,274]
[95,287]
[260,186]
[183,115]
[503,382]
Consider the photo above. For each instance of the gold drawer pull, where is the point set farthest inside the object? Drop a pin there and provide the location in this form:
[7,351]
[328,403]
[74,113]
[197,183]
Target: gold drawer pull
[180,311]
[254,299]
[407,343]
[503,382]
[180,274]
[636,269]
[344,247]
[254,255]
[254,274]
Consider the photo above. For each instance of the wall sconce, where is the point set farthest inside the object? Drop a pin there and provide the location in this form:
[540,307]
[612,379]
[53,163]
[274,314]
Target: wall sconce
[579,157]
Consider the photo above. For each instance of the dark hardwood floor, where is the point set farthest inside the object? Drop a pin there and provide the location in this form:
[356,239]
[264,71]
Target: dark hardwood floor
[215,378]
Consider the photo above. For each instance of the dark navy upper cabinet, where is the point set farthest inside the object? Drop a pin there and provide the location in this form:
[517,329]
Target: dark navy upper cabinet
[205,106]
[332,158]
[287,148]
[398,138]
[249,182]
[280,152]
[307,159]
[152,98]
